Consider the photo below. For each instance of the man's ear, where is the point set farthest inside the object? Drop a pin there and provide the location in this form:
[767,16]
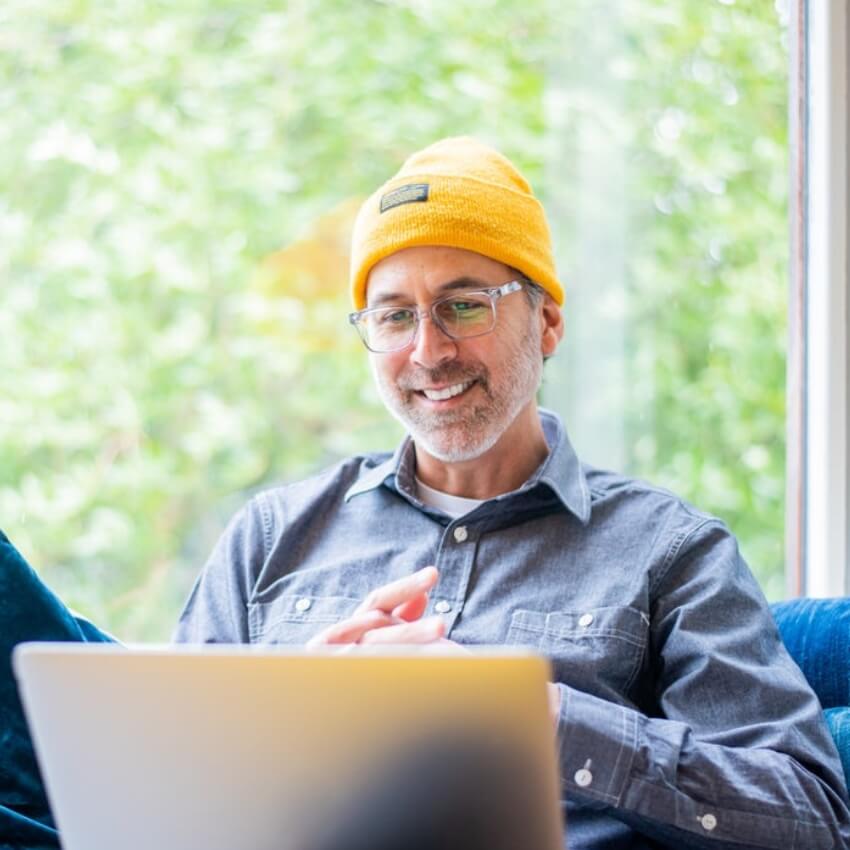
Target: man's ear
[553,326]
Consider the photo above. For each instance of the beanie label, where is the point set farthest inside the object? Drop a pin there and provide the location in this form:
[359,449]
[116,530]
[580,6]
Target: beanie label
[410,194]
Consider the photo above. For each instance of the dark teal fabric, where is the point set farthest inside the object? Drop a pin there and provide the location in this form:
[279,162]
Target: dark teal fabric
[817,634]
[28,611]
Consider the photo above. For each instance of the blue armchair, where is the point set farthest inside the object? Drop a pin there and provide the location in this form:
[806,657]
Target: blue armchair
[817,634]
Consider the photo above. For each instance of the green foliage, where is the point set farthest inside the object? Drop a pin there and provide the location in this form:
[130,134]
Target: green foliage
[159,365]
[709,271]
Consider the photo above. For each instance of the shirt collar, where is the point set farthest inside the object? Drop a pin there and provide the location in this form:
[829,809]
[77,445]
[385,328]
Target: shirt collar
[561,471]
[398,463]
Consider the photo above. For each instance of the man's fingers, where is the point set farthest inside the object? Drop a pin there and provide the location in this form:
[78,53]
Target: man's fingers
[352,629]
[554,694]
[382,610]
[413,609]
[421,631]
[390,596]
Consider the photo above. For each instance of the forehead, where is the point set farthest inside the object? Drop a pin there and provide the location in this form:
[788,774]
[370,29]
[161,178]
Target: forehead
[426,271]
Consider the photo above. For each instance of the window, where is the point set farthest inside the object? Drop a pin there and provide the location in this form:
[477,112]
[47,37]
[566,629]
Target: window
[178,185]
[674,137]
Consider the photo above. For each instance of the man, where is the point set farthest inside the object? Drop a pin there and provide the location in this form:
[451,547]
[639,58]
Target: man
[682,722]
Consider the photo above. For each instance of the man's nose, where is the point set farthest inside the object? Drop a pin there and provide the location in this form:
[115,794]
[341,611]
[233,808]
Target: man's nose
[432,346]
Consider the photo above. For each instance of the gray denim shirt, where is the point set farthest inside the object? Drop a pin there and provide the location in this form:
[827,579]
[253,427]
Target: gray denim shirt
[684,723]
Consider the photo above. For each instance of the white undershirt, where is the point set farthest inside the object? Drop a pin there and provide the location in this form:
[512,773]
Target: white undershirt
[454,506]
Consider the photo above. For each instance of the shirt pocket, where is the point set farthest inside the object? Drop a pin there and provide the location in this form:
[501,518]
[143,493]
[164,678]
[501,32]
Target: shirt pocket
[295,618]
[597,650]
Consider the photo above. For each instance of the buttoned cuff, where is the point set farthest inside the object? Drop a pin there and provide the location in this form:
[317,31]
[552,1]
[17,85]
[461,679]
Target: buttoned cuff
[599,745]
[597,741]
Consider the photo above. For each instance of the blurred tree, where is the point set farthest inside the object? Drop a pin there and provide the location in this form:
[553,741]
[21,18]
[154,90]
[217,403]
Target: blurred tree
[177,187]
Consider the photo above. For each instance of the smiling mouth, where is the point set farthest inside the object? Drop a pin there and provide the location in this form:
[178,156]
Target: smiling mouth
[447,392]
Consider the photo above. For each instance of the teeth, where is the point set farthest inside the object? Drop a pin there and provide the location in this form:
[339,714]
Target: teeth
[448,392]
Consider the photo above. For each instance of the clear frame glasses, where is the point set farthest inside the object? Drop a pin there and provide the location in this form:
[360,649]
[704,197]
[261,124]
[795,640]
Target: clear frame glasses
[459,316]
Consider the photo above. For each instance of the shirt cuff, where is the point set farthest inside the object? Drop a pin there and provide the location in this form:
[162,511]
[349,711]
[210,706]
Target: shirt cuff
[597,742]
[598,749]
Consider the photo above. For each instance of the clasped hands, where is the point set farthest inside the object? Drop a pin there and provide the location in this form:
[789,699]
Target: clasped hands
[392,614]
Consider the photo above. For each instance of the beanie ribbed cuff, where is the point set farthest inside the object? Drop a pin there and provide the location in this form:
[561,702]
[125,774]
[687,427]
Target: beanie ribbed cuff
[457,210]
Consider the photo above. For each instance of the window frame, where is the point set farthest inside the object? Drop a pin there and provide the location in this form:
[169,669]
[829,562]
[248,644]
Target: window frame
[818,461]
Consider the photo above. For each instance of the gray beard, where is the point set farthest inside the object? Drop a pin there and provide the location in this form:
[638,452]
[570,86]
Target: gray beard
[466,434]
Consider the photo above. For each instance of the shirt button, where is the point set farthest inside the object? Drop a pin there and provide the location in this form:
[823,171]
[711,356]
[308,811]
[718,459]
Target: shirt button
[303,604]
[442,607]
[708,822]
[583,777]
[585,620]
[461,533]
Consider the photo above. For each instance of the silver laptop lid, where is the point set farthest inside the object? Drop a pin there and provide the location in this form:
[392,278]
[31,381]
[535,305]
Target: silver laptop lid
[234,747]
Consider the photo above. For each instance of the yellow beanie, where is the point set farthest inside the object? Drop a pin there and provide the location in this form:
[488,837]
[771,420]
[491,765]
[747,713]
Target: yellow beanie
[457,193]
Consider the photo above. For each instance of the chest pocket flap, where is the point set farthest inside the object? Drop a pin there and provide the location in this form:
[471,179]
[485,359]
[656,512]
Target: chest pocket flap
[597,650]
[294,619]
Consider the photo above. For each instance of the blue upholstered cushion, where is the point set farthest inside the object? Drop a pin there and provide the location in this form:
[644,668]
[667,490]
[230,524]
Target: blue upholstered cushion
[817,634]
[28,611]
[838,720]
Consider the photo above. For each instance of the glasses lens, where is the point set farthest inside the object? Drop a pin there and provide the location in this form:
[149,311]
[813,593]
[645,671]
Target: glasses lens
[466,315]
[388,330]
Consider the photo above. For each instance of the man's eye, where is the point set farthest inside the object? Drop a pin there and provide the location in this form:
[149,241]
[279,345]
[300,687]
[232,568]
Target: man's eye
[465,308]
[396,317]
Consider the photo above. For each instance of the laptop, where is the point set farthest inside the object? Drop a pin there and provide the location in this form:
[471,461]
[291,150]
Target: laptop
[224,747]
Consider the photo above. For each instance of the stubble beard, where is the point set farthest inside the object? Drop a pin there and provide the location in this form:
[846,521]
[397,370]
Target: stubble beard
[475,427]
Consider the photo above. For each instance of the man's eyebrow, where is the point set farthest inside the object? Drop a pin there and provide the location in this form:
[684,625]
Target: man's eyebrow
[464,282]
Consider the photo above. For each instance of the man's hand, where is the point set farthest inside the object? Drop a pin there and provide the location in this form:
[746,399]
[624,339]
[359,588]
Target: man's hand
[391,614]
[554,693]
